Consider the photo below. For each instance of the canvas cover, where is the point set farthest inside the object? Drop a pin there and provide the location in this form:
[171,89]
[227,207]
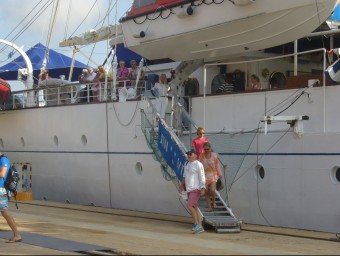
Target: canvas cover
[58,64]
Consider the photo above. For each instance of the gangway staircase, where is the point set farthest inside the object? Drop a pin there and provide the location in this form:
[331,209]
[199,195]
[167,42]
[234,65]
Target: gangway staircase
[222,218]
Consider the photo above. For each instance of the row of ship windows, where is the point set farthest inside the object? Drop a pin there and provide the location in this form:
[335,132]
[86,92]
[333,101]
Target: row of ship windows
[259,173]
[335,174]
[55,140]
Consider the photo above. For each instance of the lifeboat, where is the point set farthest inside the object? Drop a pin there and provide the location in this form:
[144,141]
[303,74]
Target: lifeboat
[5,91]
[210,30]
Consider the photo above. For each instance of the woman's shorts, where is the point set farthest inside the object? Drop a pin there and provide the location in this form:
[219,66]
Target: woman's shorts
[193,197]
[3,199]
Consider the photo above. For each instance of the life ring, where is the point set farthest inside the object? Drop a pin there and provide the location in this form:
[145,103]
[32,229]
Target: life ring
[131,93]
[123,94]
[5,91]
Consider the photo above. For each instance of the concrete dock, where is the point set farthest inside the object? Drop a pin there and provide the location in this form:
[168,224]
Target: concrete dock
[136,233]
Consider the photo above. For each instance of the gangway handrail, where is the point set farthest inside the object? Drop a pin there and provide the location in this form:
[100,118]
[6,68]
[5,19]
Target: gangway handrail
[173,135]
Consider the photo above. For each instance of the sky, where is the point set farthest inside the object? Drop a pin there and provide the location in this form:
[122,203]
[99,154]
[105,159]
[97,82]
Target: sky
[15,16]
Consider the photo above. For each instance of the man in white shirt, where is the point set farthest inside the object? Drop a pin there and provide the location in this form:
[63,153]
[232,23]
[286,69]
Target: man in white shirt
[194,183]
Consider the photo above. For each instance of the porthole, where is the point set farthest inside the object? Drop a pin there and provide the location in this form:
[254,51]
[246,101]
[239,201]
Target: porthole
[56,141]
[22,141]
[259,173]
[1,143]
[83,140]
[139,168]
[335,175]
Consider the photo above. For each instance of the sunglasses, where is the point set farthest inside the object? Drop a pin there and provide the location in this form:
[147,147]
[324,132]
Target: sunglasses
[206,149]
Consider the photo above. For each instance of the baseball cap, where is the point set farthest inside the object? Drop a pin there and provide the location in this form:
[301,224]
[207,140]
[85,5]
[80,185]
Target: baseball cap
[192,151]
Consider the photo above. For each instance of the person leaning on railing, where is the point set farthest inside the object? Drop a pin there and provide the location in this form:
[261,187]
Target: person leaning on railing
[99,80]
[122,74]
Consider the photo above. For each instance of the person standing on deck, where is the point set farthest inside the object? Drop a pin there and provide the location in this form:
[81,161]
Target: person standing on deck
[123,74]
[194,182]
[4,168]
[161,102]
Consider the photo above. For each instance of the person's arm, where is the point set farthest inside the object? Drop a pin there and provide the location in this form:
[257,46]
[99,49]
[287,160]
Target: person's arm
[130,74]
[201,177]
[3,171]
[182,186]
[217,166]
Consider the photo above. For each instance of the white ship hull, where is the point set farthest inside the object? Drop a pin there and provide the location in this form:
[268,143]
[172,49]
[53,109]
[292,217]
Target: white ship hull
[96,154]
[299,188]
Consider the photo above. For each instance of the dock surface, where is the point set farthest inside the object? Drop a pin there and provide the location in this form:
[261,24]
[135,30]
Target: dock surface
[137,233]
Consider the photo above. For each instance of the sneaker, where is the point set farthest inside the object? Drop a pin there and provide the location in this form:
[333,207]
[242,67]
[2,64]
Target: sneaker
[198,230]
[194,226]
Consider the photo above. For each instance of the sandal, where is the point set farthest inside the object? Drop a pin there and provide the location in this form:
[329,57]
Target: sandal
[14,240]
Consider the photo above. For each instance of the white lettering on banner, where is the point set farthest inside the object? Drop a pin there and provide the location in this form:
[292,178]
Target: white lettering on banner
[164,143]
[180,165]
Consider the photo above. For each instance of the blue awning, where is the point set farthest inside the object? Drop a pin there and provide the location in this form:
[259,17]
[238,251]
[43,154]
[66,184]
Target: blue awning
[336,14]
[58,64]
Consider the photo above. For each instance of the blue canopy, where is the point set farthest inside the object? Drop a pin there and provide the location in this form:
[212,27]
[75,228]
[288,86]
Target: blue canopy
[57,64]
[336,14]
[127,55]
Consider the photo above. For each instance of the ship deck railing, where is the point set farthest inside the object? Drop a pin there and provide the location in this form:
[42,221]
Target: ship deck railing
[73,93]
[291,71]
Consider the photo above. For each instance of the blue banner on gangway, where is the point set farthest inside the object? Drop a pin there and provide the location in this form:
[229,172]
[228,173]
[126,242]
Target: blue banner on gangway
[171,151]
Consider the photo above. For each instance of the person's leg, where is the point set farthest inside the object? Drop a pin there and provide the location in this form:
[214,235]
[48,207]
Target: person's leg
[193,198]
[164,104]
[199,220]
[207,198]
[193,213]
[11,223]
[158,105]
[213,193]
[94,95]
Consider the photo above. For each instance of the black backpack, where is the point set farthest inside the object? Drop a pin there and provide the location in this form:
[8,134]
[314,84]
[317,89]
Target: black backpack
[11,182]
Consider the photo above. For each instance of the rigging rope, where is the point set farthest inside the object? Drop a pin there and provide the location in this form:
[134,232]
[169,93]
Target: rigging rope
[28,24]
[133,116]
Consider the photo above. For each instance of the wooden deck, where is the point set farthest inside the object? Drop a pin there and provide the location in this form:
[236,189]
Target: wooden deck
[128,232]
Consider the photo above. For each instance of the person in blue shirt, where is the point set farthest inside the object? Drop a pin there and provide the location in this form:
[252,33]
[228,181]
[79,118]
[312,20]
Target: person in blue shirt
[4,168]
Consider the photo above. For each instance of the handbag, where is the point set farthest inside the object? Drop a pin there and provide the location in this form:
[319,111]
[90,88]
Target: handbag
[219,185]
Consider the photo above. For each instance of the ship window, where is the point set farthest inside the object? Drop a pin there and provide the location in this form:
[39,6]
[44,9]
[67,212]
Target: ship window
[83,140]
[142,3]
[335,175]
[22,141]
[259,173]
[139,168]
[56,141]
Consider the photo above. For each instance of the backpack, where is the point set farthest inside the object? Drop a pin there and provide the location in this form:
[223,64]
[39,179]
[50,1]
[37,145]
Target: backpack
[11,182]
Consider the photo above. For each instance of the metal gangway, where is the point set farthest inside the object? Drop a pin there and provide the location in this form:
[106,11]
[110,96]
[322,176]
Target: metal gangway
[221,219]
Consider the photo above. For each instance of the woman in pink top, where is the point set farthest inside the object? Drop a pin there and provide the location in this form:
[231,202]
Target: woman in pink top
[198,142]
[212,172]
[122,72]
